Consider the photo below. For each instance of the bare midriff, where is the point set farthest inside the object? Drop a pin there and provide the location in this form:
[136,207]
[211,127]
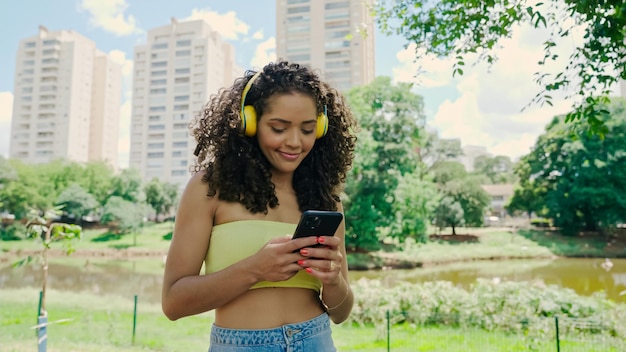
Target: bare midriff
[266,308]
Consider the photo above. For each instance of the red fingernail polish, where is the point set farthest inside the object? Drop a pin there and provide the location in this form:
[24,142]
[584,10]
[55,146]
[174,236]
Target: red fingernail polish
[320,239]
[309,270]
[301,262]
[304,252]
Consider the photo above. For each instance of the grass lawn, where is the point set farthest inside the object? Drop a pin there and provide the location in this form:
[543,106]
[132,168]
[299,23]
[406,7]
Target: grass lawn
[104,323]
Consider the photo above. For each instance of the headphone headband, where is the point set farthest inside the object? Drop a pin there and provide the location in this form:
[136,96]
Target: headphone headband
[248,114]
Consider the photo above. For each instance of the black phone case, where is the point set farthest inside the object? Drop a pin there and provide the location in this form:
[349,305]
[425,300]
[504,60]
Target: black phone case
[318,223]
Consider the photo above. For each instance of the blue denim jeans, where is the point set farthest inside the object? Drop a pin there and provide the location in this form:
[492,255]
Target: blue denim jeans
[310,336]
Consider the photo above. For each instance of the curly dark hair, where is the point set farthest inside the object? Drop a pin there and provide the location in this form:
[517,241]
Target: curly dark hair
[238,171]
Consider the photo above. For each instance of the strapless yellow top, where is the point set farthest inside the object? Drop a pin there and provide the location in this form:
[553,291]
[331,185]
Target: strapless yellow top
[235,241]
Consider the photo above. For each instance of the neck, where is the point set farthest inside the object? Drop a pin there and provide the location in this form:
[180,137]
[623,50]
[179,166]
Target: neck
[283,182]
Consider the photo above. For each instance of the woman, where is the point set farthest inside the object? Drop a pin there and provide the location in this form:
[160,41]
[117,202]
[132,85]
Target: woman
[275,144]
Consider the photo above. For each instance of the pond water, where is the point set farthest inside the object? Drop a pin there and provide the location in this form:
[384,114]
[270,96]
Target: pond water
[127,278]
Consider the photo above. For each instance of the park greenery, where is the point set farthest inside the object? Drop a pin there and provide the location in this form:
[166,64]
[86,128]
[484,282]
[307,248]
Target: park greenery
[473,30]
[404,180]
[574,178]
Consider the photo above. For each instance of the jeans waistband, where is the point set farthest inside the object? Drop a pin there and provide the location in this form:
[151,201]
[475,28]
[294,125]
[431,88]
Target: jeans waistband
[285,333]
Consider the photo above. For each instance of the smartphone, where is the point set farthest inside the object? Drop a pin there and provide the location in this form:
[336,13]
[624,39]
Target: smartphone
[318,223]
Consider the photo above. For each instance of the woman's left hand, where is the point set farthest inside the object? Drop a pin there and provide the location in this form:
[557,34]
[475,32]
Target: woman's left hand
[324,262]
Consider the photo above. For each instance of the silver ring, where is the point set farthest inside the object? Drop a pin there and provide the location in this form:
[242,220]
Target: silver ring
[332,265]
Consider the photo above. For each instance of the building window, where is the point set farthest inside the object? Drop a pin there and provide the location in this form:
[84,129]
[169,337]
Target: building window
[157,46]
[183,53]
[181,98]
[158,91]
[299,9]
[155,155]
[181,107]
[336,5]
[159,73]
[159,64]
[300,58]
[181,71]
[156,82]
[156,145]
[50,42]
[183,42]
[157,108]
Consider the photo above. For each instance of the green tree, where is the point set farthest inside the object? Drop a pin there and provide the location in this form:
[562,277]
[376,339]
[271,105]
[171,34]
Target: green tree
[414,205]
[23,192]
[527,194]
[76,202]
[122,216]
[453,181]
[435,150]
[497,169]
[455,29]
[391,118]
[97,179]
[128,186]
[161,196]
[582,177]
[449,213]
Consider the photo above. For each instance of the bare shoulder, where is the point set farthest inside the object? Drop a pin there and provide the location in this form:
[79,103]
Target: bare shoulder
[196,209]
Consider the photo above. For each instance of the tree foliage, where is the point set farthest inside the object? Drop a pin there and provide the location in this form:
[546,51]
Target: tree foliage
[77,202]
[454,182]
[122,216]
[161,196]
[579,178]
[497,169]
[456,29]
[391,119]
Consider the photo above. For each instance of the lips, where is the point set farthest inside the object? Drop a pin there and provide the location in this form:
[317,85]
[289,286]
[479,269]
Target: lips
[289,156]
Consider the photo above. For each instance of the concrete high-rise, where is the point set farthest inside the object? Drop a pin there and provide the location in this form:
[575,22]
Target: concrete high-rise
[175,73]
[335,37]
[67,97]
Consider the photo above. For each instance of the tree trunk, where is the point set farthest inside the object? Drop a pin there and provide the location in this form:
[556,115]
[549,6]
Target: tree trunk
[453,230]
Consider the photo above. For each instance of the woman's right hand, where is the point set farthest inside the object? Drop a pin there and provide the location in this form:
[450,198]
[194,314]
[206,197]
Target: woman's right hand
[278,259]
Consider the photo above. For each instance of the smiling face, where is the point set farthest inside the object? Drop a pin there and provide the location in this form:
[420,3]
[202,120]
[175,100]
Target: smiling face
[286,130]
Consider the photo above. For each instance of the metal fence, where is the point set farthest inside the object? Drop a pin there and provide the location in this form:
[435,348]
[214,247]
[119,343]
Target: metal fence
[546,334]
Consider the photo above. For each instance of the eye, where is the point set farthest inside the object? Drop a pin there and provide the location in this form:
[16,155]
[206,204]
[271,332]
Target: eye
[307,131]
[278,130]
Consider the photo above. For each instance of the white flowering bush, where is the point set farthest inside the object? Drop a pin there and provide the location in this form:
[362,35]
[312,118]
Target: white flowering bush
[517,307]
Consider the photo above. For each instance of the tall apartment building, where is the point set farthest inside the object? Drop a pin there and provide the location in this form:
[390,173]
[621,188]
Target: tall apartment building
[333,36]
[176,71]
[67,97]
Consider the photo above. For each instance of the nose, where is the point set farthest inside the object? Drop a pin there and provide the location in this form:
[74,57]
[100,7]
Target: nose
[293,139]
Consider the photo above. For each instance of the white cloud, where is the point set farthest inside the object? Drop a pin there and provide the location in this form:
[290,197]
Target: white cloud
[227,24]
[123,144]
[265,53]
[109,15]
[258,35]
[6,112]
[119,57]
[494,107]
[427,72]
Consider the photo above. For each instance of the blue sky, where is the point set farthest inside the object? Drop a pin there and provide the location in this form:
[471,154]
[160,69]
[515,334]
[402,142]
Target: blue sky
[482,107]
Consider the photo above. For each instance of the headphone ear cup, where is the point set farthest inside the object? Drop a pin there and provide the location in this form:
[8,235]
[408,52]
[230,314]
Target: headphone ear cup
[322,126]
[248,120]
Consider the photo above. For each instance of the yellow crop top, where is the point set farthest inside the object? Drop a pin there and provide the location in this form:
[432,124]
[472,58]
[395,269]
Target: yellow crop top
[234,241]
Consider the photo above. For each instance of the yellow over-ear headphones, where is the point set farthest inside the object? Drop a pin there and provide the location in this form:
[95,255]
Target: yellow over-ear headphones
[249,118]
